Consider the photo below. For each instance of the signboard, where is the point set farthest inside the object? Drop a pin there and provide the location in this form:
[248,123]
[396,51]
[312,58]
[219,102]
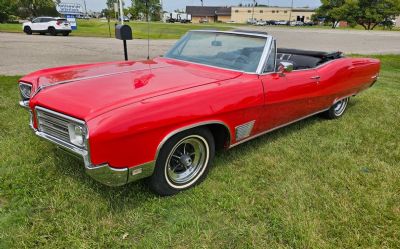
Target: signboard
[72,21]
[70,8]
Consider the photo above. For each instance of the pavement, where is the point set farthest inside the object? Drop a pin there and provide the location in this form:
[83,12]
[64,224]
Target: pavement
[21,54]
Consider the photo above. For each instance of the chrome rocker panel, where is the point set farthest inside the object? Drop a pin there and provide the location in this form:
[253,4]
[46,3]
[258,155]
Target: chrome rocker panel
[103,173]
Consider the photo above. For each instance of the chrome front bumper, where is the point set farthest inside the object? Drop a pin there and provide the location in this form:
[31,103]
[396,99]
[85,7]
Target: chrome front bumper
[103,173]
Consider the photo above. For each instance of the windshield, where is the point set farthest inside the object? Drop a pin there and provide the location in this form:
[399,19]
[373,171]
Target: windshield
[230,51]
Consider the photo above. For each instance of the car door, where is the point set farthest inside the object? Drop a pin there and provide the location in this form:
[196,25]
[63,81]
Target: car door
[289,96]
[36,24]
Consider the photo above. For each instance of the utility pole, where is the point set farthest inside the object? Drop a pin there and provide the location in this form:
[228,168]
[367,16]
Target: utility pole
[252,14]
[84,4]
[121,11]
[290,14]
[202,4]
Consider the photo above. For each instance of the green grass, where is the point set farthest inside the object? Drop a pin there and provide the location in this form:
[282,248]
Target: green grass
[158,30]
[314,184]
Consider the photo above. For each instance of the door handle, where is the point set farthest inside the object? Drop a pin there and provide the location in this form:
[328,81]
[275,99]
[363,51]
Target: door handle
[315,77]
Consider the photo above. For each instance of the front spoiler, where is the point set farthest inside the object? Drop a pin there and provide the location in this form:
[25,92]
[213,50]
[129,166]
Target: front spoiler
[103,173]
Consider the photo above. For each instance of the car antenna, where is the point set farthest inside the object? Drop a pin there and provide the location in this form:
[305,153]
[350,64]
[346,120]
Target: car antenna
[148,29]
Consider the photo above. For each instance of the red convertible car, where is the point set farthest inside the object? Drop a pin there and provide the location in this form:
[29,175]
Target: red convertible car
[163,119]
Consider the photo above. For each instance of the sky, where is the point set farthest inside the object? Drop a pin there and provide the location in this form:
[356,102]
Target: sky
[170,5]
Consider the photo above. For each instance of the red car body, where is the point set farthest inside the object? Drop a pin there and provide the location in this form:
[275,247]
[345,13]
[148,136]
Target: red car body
[132,108]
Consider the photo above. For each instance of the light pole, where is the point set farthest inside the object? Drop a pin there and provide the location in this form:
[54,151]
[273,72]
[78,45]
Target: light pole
[252,14]
[84,4]
[290,14]
[121,12]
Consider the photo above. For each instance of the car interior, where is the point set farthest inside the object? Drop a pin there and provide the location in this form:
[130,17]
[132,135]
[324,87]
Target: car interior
[305,59]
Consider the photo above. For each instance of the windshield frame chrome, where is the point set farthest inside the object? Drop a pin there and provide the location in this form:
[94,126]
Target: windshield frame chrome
[263,58]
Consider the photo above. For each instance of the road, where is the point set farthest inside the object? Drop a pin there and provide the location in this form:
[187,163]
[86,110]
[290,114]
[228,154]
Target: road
[21,54]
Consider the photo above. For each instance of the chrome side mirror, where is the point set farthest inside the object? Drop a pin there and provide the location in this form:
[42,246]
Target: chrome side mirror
[285,67]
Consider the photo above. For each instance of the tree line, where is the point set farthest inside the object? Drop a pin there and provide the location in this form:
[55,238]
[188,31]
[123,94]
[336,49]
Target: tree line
[138,10]
[367,13]
[11,10]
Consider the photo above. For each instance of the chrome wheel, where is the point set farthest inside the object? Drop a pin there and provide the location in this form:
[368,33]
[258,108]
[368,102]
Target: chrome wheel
[187,161]
[340,107]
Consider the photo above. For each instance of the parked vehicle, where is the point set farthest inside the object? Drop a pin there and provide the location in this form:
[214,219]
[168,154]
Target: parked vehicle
[177,17]
[260,23]
[51,25]
[251,21]
[271,22]
[296,23]
[185,18]
[126,19]
[164,119]
[281,22]
[203,20]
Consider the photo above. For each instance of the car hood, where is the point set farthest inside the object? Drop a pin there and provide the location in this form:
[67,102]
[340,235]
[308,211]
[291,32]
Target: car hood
[87,91]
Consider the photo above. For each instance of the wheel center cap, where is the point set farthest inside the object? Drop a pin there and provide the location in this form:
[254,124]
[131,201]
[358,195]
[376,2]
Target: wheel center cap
[186,160]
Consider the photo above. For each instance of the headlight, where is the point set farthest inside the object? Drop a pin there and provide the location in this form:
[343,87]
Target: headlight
[25,90]
[77,134]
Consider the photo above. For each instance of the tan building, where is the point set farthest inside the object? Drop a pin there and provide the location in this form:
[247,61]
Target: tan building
[209,14]
[243,14]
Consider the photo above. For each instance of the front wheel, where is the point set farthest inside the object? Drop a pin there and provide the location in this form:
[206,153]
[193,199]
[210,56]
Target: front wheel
[337,110]
[28,30]
[183,161]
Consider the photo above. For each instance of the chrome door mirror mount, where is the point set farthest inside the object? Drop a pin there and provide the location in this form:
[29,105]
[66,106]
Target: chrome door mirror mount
[285,67]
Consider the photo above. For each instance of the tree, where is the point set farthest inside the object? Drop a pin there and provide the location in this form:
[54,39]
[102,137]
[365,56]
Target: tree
[331,11]
[138,9]
[370,13]
[367,13]
[31,8]
[8,8]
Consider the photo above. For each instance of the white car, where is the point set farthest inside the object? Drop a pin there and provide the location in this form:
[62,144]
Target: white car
[51,25]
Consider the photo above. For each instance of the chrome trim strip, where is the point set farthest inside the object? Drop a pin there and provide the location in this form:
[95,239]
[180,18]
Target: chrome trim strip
[24,104]
[265,55]
[232,32]
[169,135]
[270,130]
[61,115]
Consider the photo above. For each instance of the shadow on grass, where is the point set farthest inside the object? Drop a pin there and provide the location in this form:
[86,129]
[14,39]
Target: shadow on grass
[135,194]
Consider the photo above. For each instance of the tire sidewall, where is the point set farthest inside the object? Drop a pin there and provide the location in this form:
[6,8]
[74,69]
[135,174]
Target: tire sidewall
[159,181]
[332,113]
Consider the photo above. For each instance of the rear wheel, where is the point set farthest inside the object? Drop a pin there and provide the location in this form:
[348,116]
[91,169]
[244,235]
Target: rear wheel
[183,162]
[28,30]
[52,31]
[337,110]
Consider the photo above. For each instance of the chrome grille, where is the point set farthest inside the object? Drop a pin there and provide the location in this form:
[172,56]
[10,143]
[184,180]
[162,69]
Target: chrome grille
[53,124]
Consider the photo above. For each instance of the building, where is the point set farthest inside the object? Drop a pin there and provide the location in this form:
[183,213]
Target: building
[397,24]
[243,14]
[209,14]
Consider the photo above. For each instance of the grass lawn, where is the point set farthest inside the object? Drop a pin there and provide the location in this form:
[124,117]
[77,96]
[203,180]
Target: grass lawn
[158,30]
[314,184]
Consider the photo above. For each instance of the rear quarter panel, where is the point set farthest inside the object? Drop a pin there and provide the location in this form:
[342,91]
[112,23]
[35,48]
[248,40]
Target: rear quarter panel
[346,77]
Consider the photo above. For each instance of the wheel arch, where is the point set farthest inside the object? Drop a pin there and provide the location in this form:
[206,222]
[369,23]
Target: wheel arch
[220,131]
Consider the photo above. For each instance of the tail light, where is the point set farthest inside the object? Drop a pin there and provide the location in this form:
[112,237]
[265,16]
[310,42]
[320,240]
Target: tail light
[59,22]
